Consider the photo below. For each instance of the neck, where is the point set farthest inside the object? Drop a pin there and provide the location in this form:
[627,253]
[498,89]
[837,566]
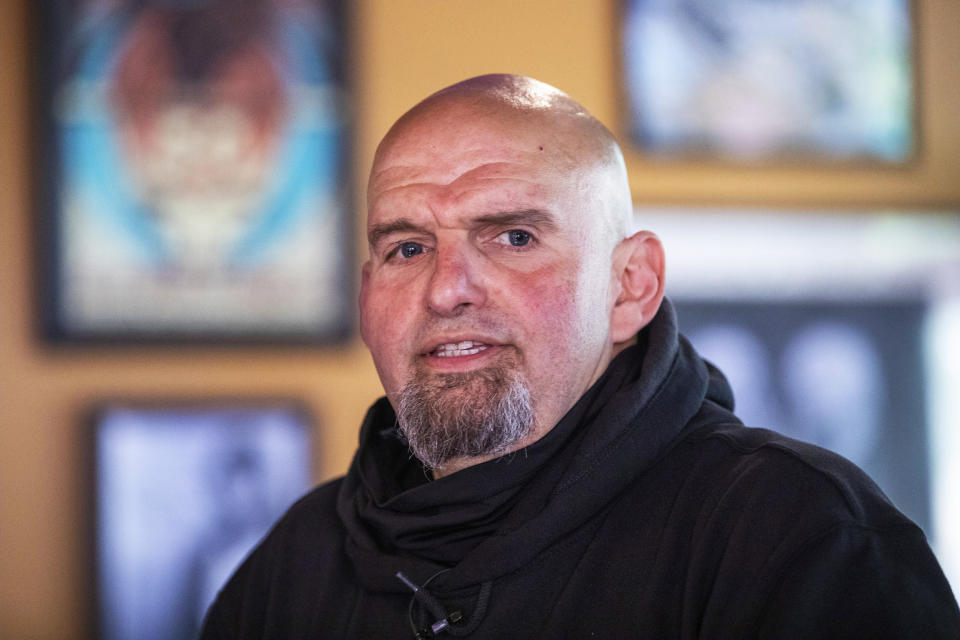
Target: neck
[457,464]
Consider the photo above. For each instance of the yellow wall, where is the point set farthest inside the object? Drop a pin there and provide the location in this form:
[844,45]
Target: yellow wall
[402,50]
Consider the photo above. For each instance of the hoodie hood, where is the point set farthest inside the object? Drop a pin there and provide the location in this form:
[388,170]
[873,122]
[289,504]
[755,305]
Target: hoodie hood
[493,518]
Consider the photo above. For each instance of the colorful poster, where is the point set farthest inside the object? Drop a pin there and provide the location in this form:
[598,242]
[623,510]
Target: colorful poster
[200,186]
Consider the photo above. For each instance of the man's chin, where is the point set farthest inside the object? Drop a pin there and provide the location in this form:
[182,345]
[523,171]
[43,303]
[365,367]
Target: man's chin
[464,382]
[469,415]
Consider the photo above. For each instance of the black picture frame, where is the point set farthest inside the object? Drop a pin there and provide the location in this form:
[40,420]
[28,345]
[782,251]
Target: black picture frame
[193,172]
[182,491]
[845,375]
[833,327]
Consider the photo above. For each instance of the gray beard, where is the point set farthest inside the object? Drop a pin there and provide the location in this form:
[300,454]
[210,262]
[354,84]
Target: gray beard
[464,415]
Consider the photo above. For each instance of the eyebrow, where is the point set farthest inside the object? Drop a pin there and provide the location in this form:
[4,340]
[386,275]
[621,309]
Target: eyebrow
[531,217]
[379,231]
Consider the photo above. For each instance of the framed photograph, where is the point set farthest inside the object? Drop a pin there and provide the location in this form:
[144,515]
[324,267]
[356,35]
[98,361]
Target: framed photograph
[836,328]
[194,174]
[183,492]
[748,80]
[847,376]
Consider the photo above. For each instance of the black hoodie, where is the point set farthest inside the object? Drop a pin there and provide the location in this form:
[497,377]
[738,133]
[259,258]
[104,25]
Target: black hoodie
[648,511]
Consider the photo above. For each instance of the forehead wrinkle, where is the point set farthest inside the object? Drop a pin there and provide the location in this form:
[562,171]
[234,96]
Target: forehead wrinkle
[410,177]
[429,169]
[495,109]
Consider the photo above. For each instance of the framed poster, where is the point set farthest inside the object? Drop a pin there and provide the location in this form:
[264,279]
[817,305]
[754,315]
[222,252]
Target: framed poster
[194,177]
[747,80]
[182,493]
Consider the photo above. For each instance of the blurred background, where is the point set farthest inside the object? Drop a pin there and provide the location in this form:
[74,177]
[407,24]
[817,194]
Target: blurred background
[181,225]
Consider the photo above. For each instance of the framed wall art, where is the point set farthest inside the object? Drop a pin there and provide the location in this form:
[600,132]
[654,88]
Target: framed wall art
[761,80]
[183,491]
[194,170]
[836,328]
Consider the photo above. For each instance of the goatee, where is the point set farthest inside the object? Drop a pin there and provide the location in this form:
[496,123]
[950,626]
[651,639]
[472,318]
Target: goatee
[461,415]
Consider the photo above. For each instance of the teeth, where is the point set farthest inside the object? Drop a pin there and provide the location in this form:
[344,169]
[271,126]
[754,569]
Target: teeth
[453,349]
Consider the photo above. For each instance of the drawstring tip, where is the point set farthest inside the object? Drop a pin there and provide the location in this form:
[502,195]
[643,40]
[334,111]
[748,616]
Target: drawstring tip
[407,581]
[444,620]
[440,625]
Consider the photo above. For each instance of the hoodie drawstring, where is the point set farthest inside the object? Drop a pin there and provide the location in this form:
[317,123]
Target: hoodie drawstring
[444,622]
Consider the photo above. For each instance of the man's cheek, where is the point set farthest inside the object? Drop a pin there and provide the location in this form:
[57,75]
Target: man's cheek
[367,330]
[375,328]
[550,296]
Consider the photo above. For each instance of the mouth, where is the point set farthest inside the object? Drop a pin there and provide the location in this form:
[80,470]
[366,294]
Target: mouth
[460,353]
[456,349]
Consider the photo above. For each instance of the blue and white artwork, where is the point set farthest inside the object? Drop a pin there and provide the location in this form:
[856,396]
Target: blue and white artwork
[752,80]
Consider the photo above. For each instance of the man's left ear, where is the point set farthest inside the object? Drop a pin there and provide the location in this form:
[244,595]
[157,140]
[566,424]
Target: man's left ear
[638,265]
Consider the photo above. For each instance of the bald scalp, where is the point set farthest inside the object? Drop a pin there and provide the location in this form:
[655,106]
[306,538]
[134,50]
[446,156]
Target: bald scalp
[572,137]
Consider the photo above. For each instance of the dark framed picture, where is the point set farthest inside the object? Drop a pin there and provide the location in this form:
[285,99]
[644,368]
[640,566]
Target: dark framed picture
[836,328]
[194,170]
[751,80]
[183,491]
[845,375]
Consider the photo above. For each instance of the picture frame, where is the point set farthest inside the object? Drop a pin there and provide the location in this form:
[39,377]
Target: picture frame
[845,375]
[835,327]
[183,490]
[194,172]
[747,82]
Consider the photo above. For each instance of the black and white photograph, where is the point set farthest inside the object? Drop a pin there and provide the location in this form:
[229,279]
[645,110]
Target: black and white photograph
[183,493]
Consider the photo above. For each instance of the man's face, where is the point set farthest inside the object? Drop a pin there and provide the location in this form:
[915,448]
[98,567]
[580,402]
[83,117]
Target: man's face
[487,255]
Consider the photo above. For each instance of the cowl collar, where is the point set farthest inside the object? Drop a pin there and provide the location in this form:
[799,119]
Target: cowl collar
[492,518]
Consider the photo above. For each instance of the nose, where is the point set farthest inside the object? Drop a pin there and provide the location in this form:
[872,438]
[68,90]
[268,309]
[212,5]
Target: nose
[455,282]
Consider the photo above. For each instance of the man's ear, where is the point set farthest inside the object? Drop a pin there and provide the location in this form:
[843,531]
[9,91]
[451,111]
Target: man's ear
[638,264]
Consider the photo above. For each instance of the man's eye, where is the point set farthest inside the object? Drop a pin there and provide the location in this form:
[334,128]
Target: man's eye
[409,249]
[518,237]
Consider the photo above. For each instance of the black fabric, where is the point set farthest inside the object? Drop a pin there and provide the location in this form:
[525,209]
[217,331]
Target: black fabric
[649,511]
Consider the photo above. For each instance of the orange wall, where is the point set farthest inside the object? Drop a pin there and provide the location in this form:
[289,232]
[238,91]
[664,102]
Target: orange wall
[402,50]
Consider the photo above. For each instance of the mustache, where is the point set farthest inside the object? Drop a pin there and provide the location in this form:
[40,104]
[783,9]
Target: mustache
[494,328]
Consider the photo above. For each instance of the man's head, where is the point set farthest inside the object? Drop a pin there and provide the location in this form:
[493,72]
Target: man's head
[501,280]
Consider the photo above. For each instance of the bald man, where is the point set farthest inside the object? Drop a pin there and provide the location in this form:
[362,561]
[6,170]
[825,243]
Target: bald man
[551,458]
